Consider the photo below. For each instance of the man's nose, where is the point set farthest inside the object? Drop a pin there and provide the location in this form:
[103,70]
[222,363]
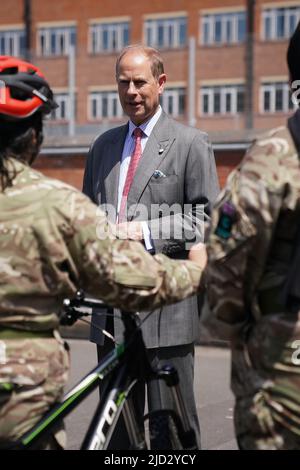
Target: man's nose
[132,88]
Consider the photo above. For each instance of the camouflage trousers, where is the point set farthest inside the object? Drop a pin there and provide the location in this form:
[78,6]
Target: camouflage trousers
[33,373]
[266,384]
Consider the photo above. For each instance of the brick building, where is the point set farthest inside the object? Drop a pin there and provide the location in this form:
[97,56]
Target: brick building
[224,59]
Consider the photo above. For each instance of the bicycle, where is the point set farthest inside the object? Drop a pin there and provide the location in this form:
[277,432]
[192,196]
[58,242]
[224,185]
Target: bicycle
[124,366]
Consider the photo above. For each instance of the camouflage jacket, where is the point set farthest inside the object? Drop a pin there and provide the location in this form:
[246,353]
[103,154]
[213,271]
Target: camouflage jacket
[53,240]
[253,225]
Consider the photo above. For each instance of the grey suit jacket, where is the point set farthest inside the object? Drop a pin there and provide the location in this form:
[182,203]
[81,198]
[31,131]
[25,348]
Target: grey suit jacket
[177,169]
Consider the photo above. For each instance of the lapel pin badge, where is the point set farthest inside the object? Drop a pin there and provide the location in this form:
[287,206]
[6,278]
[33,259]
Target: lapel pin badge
[160,151]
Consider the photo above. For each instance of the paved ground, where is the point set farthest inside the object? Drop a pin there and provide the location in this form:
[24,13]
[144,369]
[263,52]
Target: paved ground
[214,398]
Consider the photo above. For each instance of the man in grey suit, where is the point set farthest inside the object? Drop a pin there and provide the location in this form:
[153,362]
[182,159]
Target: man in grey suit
[167,199]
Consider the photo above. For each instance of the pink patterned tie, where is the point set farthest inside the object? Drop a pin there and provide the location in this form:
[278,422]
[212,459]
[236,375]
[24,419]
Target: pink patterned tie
[134,160]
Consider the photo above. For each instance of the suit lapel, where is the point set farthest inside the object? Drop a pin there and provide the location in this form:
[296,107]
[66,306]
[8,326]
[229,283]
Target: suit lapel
[156,150]
[112,166]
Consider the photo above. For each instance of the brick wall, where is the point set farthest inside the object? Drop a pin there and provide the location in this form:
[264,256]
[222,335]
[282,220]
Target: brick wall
[215,63]
[70,168]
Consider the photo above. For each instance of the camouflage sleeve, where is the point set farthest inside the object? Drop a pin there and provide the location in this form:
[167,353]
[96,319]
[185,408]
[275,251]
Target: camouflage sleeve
[243,222]
[121,272]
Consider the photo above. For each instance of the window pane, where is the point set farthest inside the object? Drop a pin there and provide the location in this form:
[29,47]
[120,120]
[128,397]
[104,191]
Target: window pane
[125,36]
[94,108]
[170,35]
[217,102]
[11,46]
[228,102]
[22,44]
[292,24]
[62,109]
[267,23]
[53,43]
[73,37]
[2,46]
[280,25]
[149,35]
[228,30]
[181,104]
[61,49]
[170,105]
[94,40]
[105,39]
[206,33]
[240,101]
[279,99]
[182,33]
[205,104]
[114,44]
[115,107]
[104,106]
[241,28]
[160,34]
[42,44]
[267,100]
[218,30]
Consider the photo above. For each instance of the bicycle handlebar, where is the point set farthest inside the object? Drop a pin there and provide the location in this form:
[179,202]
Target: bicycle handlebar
[81,306]
[77,307]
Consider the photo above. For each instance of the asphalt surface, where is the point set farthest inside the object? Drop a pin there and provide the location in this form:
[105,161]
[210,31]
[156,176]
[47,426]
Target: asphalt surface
[214,398]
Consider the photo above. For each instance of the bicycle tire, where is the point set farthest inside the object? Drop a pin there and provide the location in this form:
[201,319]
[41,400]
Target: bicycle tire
[166,432]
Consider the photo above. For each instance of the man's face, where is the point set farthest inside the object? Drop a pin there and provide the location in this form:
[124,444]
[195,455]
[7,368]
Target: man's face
[138,90]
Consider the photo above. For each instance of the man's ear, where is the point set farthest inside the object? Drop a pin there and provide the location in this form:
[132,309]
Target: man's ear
[161,82]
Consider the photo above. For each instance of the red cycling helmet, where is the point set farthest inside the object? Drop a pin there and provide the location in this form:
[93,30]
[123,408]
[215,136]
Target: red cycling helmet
[23,89]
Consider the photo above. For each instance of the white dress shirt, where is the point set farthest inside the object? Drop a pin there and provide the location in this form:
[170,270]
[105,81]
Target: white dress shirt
[128,149]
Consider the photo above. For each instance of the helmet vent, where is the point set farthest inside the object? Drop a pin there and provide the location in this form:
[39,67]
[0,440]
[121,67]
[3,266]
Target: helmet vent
[9,71]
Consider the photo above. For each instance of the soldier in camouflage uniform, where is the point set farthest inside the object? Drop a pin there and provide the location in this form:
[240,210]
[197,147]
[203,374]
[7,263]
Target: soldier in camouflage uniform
[53,240]
[253,263]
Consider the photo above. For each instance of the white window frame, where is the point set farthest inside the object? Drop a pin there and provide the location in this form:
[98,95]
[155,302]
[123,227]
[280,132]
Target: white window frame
[112,97]
[173,94]
[62,33]
[271,87]
[227,17]
[224,90]
[56,114]
[272,14]
[152,26]
[11,39]
[115,31]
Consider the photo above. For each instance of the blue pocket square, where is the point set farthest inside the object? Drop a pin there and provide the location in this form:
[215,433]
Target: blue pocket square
[159,174]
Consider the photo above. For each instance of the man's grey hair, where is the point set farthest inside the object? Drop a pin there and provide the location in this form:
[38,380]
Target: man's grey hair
[156,61]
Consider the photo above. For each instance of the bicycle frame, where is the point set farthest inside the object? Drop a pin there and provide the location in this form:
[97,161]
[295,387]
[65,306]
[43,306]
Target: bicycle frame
[124,373]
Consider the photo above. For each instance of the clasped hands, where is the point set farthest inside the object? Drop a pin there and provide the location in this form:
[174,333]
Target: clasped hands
[133,231]
[129,230]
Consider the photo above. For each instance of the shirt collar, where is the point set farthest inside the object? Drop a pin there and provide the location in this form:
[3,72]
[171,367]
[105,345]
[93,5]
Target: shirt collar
[147,126]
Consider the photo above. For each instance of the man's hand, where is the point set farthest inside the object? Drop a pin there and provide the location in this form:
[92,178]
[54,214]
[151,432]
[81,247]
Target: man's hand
[130,231]
[198,255]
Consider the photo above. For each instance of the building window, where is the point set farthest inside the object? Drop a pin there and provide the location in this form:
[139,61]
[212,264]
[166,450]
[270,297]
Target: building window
[12,42]
[166,33]
[62,113]
[55,41]
[104,105]
[223,28]
[173,101]
[227,99]
[109,37]
[276,97]
[280,23]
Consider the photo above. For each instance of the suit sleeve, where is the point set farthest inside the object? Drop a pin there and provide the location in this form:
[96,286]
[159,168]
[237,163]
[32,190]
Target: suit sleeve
[121,272]
[201,188]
